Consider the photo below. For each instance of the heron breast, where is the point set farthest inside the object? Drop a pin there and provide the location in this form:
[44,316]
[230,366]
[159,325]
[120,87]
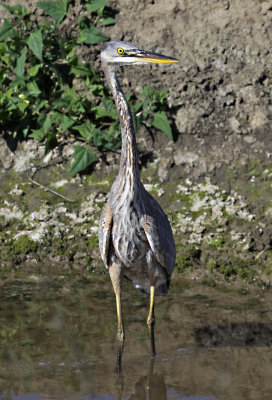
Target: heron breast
[128,239]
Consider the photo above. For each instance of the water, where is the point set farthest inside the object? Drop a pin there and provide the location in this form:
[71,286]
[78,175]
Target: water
[57,341]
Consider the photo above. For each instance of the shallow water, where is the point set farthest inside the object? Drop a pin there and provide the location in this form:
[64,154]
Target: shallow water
[57,341]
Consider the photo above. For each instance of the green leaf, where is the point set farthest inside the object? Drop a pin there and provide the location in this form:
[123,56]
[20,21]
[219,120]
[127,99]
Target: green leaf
[25,131]
[160,121]
[51,143]
[7,31]
[99,138]
[37,134]
[148,92]
[85,130]
[80,69]
[162,95]
[22,105]
[32,72]
[91,36]
[101,113]
[108,140]
[45,122]
[138,106]
[95,5]
[66,122]
[33,89]
[108,103]
[20,65]
[96,89]
[5,58]
[108,21]
[55,9]
[137,120]
[17,10]
[35,43]
[82,159]
[39,105]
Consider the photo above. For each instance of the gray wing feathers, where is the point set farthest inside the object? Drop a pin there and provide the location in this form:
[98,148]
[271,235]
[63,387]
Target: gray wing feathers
[159,233]
[105,232]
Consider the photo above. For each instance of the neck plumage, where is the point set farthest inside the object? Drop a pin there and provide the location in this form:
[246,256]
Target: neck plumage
[129,165]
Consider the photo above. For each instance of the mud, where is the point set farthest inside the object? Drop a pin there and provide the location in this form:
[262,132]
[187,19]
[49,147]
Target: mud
[214,181]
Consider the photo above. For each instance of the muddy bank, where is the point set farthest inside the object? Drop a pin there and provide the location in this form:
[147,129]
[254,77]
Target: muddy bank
[218,235]
[214,181]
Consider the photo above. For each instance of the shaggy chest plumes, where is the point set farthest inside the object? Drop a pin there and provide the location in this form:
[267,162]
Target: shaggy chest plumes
[128,237]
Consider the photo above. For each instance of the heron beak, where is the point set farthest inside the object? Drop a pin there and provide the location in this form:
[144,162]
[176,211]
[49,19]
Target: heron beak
[148,57]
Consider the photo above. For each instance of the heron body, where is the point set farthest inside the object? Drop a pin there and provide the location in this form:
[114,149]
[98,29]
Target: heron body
[141,243]
[135,237]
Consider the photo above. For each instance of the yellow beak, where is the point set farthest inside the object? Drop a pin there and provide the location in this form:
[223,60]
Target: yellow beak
[148,57]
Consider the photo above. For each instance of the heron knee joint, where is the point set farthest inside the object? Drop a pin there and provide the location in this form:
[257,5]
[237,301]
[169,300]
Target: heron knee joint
[120,335]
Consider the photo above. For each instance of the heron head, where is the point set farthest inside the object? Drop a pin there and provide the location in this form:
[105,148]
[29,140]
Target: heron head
[123,53]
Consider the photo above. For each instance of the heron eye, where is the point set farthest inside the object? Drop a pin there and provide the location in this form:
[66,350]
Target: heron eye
[120,50]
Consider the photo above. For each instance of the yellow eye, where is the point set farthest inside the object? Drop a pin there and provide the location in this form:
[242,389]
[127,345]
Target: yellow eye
[120,50]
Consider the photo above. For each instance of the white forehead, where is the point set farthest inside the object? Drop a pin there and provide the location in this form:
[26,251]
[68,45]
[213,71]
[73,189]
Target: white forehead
[111,47]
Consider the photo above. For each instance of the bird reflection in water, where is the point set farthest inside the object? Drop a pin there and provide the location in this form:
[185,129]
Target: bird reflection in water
[152,387]
[148,387]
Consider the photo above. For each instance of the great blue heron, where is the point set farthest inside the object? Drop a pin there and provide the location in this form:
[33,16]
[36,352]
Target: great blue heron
[135,237]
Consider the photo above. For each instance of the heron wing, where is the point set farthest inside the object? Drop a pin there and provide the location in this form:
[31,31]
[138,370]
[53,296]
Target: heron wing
[105,232]
[159,233]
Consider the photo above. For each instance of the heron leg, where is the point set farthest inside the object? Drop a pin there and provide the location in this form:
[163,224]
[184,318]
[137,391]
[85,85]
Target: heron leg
[116,274]
[151,320]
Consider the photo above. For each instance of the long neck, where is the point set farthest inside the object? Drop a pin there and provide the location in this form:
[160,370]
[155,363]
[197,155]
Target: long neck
[129,165]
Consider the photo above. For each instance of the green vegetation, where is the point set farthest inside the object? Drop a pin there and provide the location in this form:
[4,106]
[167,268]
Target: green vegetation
[16,250]
[24,245]
[258,177]
[47,92]
[188,256]
[232,267]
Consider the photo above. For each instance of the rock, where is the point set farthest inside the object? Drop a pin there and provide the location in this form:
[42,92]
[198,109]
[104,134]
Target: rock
[59,184]
[186,119]
[25,156]
[182,157]
[163,168]
[249,139]
[11,211]
[258,119]
[16,191]
[6,156]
